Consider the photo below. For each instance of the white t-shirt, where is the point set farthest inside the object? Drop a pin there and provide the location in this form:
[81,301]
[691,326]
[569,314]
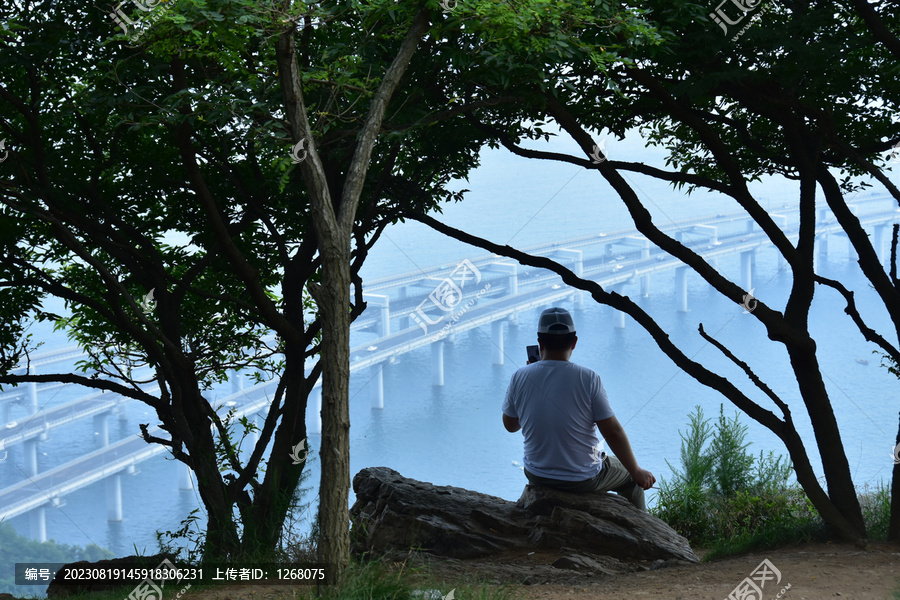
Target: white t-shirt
[557,403]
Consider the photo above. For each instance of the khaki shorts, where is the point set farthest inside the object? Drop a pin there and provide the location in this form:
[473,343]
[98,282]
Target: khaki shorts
[613,477]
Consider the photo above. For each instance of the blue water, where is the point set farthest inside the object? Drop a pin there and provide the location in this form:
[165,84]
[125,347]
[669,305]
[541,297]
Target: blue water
[452,435]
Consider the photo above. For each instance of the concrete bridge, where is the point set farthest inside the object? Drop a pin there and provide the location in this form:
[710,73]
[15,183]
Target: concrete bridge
[405,312]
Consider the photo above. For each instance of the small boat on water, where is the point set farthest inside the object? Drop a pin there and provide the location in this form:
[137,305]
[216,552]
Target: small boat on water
[862,361]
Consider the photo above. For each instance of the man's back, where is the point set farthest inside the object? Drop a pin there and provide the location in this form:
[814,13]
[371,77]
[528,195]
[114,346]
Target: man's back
[557,403]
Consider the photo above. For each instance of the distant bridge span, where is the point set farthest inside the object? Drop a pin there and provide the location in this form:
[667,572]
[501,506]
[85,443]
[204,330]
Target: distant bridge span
[405,312]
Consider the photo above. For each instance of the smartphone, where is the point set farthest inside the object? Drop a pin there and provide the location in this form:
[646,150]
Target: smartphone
[534,353]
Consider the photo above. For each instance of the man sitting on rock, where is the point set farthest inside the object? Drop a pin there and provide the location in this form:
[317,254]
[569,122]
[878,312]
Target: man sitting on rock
[556,403]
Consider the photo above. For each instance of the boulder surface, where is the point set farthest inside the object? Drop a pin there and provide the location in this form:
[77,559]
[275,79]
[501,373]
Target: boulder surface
[598,531]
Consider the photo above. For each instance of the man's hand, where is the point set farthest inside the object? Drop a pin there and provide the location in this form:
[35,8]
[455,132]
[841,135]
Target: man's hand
[643,478]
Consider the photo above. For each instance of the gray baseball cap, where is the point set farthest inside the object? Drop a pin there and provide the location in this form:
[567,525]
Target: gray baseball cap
[556,321]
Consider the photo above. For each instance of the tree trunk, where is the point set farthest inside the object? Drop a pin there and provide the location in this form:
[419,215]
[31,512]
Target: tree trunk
[828,437]
[894,524]
[222,538]
[333,223]
[334,303]
[264,519]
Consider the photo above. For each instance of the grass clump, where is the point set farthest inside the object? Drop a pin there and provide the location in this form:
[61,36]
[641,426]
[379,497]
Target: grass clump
[728,500]
[875,502]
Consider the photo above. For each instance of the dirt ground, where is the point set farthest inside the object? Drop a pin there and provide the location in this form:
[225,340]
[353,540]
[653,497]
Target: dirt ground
[814,572]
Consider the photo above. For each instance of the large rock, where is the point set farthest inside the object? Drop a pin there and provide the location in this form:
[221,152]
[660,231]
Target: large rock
[597,531]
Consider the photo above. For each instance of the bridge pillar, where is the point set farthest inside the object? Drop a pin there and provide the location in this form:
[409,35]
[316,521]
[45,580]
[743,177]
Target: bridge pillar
[7,412]
[404,320]
[497,340]
[645,285]
[185,481]
[29,448]
[437,363]
[618,315]
[101,429]
[32,392]
[383,303]
[577,258]
[681,301]
[114,497]
[781,221]
[747,269]
[119,410]
[38,523]
[376,385]
[851,251]
[512,280]
[750,224]
[618,319]
[253,436]
[237,382]
[645,279]
[877,242]
[315,425]
[512,275]
[822,249]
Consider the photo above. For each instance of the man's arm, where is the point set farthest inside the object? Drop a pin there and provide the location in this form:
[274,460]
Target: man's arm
[614,434]
[511,424]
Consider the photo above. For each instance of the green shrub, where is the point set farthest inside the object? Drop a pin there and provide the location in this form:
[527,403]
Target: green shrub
[731,464]
[727,499]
